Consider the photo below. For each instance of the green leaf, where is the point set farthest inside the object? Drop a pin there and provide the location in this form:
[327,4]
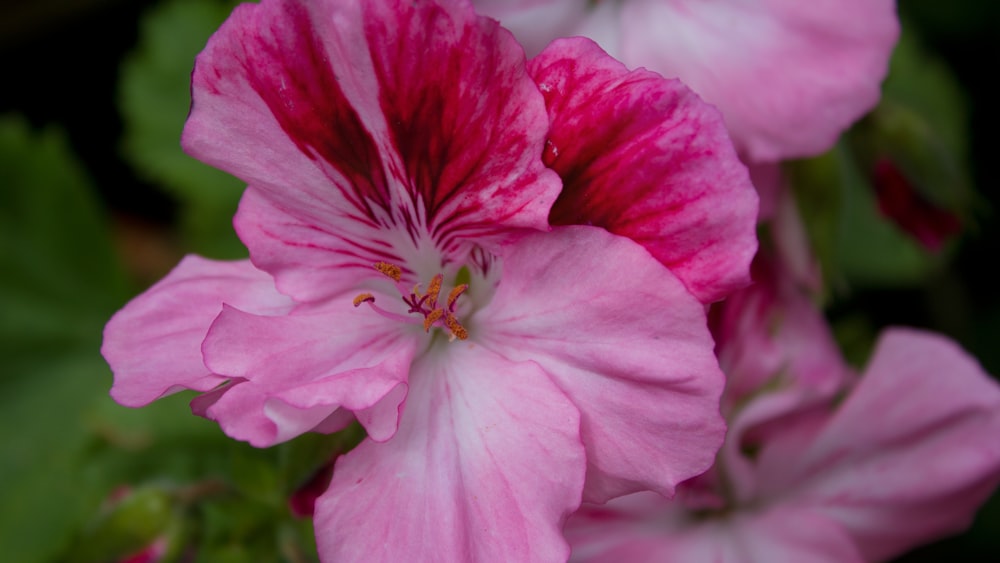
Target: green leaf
[921,126]
[857,246]
[871,250]
[128,526]
[57,268]
[59,282]
[154,96]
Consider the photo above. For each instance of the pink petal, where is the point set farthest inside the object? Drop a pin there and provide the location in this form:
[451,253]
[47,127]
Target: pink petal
[300,368]
[772,334]
[643,157]
[310,260]
[625,341]
[322,108]
[487,465]
[909,456]
[789,76]
[642,528]
[153,344]
[537,22]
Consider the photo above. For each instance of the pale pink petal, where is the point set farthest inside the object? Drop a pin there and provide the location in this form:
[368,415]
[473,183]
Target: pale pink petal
[792,242]
[537,22]
[300,368]
[628,344]
[772,335]
[153,344]
[324,109]
[794,414]
[311,261]
[643,157]
[486,466]
[789,76]
[646,529]
[908,457]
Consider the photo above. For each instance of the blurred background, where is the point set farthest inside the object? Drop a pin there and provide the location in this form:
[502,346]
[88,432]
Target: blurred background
[97,202]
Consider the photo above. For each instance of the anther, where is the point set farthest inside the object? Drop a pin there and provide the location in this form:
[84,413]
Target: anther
[456,328]
[432,318]
[434,289]
[364,298]
[388,270]
[459,290]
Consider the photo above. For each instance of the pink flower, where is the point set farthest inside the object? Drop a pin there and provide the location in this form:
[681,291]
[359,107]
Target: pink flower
[789,76]
[404,273]
[905,458]
[770,337]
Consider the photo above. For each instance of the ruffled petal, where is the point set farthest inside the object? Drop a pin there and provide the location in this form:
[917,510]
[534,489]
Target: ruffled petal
[153,344]
[322,108]
[789,76]
[486,466]
[645,528]
[625,341]
[295,370]
[645,158]
[908,457]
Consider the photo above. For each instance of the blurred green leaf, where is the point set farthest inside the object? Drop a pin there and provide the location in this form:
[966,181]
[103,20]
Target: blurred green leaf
[921,126]
[857,246]
[154,97]
[59,282]
[871,250]
[132,523]
[57,263]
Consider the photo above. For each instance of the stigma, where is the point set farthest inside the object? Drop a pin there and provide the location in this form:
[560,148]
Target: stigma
[427,304]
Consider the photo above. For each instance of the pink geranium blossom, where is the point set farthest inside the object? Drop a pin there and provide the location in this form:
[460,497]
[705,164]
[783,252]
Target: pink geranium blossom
[789,76]
[904,459]
[404,274]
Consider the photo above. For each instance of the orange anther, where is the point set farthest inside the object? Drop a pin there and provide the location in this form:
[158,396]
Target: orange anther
[434,289]
[459,290]
[389,270]
[456,328]
[432,318]
[363,298]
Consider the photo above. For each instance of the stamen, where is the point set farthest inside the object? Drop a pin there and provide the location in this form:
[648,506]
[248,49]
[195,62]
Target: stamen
[456,328]
[388,270]
[459,290]
[363,298]
[434,289]
[426,304]
[432,318]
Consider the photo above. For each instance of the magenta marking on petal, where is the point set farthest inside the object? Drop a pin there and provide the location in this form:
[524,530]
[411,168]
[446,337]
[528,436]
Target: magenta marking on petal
[291,72]
[464,118]
[643,157]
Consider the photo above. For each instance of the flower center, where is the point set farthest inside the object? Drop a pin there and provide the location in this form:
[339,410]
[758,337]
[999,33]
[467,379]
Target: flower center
[425,304]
